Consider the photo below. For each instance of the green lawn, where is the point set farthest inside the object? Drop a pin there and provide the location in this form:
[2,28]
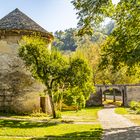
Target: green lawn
[53,129]
[126,112]
[117,103]
[86,115]
[121,110]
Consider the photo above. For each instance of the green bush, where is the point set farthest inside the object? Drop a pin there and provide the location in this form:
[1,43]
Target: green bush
[69,108]
[135,106]
[58,114]
[138,111]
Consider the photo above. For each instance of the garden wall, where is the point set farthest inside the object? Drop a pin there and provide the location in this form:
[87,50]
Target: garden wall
[133,93]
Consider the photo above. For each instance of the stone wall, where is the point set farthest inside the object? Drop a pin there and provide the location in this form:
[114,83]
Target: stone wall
[19,92]
[133,93]
[95,99]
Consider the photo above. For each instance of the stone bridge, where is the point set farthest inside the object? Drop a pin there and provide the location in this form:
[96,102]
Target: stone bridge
[128,92]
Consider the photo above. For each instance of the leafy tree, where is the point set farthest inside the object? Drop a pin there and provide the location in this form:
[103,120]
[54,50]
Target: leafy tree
[79,83]
[91,13]
[53,69]
[69,40]
[65,40]
[44,65]
[123,46]
[106,75]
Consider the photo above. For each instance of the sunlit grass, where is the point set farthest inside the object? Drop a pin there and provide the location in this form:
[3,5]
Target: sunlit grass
[87,114]
[41,129]
[59,129]
[121,110]
[116,103]
[126,112]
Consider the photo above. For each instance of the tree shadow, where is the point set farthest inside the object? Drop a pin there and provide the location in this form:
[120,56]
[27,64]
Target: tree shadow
[126,133]
[94,134]
[24,124]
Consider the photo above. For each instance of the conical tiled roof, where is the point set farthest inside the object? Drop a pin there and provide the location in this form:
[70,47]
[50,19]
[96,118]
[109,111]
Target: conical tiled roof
[16,20]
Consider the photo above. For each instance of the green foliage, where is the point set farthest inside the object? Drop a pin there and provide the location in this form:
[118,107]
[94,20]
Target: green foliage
[92,13]
[56,71]
[79,84]
[69,40]
[65,40]
[123,46]
[135,106]
[107,74]
[45,65]
[121,110]
[58,114]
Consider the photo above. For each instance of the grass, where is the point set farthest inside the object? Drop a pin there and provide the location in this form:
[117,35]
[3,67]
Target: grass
[86,115]
[54,129]
[35,116]
[135,118]
[117,103]
[121,110]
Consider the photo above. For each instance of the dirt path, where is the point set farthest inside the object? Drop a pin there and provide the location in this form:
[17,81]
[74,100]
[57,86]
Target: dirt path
[117,127]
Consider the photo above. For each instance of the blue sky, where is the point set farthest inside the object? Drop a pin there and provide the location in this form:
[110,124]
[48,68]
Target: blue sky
[50,14]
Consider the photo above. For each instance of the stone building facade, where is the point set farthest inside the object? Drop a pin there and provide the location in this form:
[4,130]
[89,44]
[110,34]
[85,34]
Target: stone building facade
[19,92]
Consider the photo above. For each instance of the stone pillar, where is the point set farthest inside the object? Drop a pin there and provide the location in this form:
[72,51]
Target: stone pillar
[101,94]
[104,96]
[124,103]
[114,99]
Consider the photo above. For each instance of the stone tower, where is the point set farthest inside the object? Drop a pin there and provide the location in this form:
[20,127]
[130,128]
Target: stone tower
[18,90]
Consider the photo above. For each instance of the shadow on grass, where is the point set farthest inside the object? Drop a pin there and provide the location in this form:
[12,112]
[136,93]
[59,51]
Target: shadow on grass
[94,134]
[24,124]
[126,133]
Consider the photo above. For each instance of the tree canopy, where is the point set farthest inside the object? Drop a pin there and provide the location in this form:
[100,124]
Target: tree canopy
[122,47]
[53,69]
[91,13]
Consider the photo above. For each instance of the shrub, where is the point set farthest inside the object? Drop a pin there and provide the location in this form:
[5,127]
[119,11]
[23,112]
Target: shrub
[138,111]
[58,114]
[135,106]
[68,108]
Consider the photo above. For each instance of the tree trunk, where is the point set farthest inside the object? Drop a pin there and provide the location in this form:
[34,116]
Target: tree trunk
[104,96]
[114,98]
[52,104]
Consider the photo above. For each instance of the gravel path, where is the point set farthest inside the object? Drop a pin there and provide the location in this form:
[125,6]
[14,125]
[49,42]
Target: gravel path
[117,127]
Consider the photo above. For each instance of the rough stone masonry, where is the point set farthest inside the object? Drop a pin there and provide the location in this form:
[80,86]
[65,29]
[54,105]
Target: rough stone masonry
[19,92]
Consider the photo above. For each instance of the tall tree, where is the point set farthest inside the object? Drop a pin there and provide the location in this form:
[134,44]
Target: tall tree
[52,68]
[45,65]
[123,45]
[65,40]
[91,13]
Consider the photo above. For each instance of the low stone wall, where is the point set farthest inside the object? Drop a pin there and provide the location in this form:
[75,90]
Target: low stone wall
[133,93]
[95,99]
